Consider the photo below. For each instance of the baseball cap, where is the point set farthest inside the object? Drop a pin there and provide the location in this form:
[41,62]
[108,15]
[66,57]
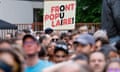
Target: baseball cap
[29,36]
[85,39]
[61,47]
[100,34]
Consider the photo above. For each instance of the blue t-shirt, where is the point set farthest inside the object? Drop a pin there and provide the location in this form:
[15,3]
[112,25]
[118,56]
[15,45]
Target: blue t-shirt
[38,67]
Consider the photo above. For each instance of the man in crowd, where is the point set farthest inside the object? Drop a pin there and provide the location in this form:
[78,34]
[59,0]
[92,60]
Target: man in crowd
[60,53]
[45,40]
[97,61]
[83,29]
[84,44]
[31,48]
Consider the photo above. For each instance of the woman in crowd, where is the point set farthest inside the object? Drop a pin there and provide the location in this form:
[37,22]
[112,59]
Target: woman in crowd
[113,66]
[4,67]
[12,59]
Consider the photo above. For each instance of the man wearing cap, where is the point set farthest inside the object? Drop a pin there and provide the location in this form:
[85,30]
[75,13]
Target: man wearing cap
[84,44]
[60,52]
[31,48]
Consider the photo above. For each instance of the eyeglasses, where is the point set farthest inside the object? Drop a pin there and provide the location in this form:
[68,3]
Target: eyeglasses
[28,43]
[58,56]
[54,39]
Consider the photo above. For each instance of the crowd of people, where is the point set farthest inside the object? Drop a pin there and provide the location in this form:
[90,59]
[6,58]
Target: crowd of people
[57,51]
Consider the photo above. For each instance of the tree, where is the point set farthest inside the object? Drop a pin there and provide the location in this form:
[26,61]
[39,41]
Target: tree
[88,11]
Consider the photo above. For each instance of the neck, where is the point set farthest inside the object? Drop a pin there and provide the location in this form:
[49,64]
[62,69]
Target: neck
[32,60]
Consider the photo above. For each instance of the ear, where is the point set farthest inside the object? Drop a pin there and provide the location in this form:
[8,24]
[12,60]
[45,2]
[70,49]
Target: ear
[93,48]
[39,48]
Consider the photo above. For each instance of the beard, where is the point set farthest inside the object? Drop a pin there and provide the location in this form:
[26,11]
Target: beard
[31,55]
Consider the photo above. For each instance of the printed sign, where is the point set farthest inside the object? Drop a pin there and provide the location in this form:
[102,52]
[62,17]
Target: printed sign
[59,15]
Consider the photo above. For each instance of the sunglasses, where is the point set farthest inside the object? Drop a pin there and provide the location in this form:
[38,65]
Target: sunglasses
[54,39]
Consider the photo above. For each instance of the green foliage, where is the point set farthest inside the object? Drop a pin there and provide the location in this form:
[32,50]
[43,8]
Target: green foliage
[88,11]
[40,15]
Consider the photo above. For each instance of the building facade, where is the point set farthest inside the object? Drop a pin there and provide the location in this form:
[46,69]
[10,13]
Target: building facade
[19,11]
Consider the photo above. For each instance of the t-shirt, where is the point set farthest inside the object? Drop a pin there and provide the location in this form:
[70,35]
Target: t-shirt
[38,67]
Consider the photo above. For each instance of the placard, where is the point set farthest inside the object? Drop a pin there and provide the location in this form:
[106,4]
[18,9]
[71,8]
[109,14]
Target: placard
[59,14]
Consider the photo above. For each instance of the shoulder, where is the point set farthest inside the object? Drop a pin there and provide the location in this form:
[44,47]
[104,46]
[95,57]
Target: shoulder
[45,63]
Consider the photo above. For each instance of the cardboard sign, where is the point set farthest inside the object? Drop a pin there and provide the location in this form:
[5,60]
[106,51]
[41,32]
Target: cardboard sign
[59,15]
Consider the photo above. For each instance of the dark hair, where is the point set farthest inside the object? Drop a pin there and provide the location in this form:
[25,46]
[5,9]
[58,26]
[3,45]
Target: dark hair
[30,36]
[81,57]
[63,35]
[15,56]
[42,38]
[42,52]
[61,46]
[117,45]
[26,31]
[70,31]
[48,30]
[103,40]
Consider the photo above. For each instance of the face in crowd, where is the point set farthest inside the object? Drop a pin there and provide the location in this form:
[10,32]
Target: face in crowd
[97,61]
[47,40]
[60,56]
[30,46]
[113,65]
[84,44]
[50,48]
[60,53]
[80,48]
[55,38]
[9,60]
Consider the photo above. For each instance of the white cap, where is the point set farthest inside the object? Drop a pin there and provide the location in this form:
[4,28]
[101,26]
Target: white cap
[100,34]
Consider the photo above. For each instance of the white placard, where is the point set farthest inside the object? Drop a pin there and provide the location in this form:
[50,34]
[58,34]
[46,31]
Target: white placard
[59,15]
